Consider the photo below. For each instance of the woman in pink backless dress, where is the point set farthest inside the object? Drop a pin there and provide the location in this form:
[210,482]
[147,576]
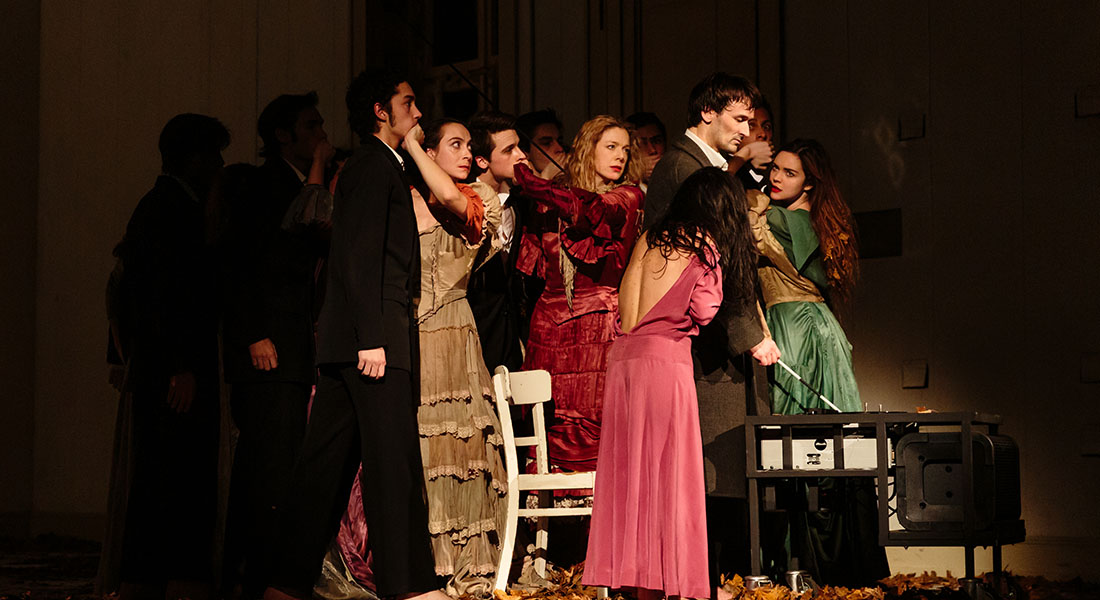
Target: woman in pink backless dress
[649,517]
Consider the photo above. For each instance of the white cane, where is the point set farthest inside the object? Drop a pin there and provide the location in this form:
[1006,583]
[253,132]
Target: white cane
[808,386]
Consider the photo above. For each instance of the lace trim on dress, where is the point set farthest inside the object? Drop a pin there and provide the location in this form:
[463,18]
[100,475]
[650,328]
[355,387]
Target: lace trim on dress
[458,530]
[452,396]
[453,428]
[474,469]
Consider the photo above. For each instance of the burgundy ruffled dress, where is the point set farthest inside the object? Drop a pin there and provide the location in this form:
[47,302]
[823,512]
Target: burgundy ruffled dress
[649,526]
[570,336]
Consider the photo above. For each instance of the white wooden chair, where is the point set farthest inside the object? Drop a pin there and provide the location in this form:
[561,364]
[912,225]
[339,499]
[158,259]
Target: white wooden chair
[530,388]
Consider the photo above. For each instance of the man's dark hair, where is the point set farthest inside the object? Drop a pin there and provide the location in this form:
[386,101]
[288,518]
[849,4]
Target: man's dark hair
[762,103]
[372,86]
[716,92]
[526,124]
[482,126]
[645,119]
[282,113]
[188,134]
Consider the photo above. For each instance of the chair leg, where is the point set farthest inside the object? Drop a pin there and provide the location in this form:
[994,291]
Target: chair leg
[542,534]
[508,541]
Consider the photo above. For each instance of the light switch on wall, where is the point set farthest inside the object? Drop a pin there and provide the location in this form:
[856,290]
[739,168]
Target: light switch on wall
[914,374]
[911,126]
[1086,101]
[1090,367]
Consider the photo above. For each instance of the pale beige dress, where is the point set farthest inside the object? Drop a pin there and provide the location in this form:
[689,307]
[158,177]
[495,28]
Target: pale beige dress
[460,439]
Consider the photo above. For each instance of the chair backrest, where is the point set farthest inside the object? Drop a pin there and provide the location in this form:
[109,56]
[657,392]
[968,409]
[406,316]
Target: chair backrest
[522,388]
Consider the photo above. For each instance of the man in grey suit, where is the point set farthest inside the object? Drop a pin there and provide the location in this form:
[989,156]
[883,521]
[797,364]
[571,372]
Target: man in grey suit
[729,384]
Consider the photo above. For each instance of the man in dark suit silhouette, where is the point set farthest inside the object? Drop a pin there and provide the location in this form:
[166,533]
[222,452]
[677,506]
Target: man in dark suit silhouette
[495,291]
[728,389]
[170,325]
[268,332]
[367,397]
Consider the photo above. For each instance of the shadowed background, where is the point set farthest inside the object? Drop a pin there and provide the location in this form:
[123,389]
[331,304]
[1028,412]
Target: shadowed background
[965,134]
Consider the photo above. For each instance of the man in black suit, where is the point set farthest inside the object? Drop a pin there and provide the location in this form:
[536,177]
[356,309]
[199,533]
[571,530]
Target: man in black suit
[170,328]
[268,332]
[495,291]
[367,397]
[727,384]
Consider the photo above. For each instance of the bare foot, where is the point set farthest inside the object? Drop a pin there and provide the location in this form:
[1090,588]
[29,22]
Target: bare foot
[721,593]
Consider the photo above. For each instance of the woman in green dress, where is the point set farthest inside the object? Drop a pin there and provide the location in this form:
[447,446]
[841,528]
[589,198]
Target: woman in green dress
[809,263]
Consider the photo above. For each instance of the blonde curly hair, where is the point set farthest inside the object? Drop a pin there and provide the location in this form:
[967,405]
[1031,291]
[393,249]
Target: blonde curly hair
[580,165]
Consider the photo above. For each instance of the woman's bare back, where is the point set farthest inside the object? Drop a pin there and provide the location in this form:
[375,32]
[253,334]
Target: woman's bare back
[648,277]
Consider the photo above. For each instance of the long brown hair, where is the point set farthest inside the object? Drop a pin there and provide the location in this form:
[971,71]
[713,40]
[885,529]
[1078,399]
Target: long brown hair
[831,219]
[580,165]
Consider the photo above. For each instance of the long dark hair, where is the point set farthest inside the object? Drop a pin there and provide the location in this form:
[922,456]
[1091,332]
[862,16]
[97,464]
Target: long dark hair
[831,219]
[711,204]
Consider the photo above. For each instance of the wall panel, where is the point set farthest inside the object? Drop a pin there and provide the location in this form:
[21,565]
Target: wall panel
[19,73]
[113,72]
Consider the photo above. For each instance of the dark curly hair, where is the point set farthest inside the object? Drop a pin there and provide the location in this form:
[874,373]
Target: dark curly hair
[372,86]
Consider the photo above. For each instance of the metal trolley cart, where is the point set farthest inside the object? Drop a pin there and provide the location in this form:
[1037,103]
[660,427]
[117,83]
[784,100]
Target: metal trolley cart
[946,493]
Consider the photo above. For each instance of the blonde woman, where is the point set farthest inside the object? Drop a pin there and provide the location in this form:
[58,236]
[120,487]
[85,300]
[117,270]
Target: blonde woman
[578,241]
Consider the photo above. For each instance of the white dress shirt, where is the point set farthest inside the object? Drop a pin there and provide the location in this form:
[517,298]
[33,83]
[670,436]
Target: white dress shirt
[715,157]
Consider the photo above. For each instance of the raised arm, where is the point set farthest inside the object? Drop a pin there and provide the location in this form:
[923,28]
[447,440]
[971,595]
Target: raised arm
[559,199]
[596,225]
[443,188]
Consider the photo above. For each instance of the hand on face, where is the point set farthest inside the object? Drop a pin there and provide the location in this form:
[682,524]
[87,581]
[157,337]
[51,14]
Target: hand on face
[403,114]
[324,152]
[758,153]
[651,143]
[415,135]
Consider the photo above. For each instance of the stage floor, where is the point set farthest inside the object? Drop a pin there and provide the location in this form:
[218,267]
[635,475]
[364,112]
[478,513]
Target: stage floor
[51,567]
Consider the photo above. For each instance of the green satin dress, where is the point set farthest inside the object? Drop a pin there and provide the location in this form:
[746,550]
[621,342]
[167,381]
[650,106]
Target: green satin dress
[839,544]
[792,276]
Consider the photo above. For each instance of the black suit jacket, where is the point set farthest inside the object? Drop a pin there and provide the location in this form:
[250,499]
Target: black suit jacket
[682,158]
[497,299]
[729,384]
[170,292]
[270,280]
[374,263]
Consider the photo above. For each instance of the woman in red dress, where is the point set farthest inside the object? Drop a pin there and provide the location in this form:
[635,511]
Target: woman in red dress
[578,240]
